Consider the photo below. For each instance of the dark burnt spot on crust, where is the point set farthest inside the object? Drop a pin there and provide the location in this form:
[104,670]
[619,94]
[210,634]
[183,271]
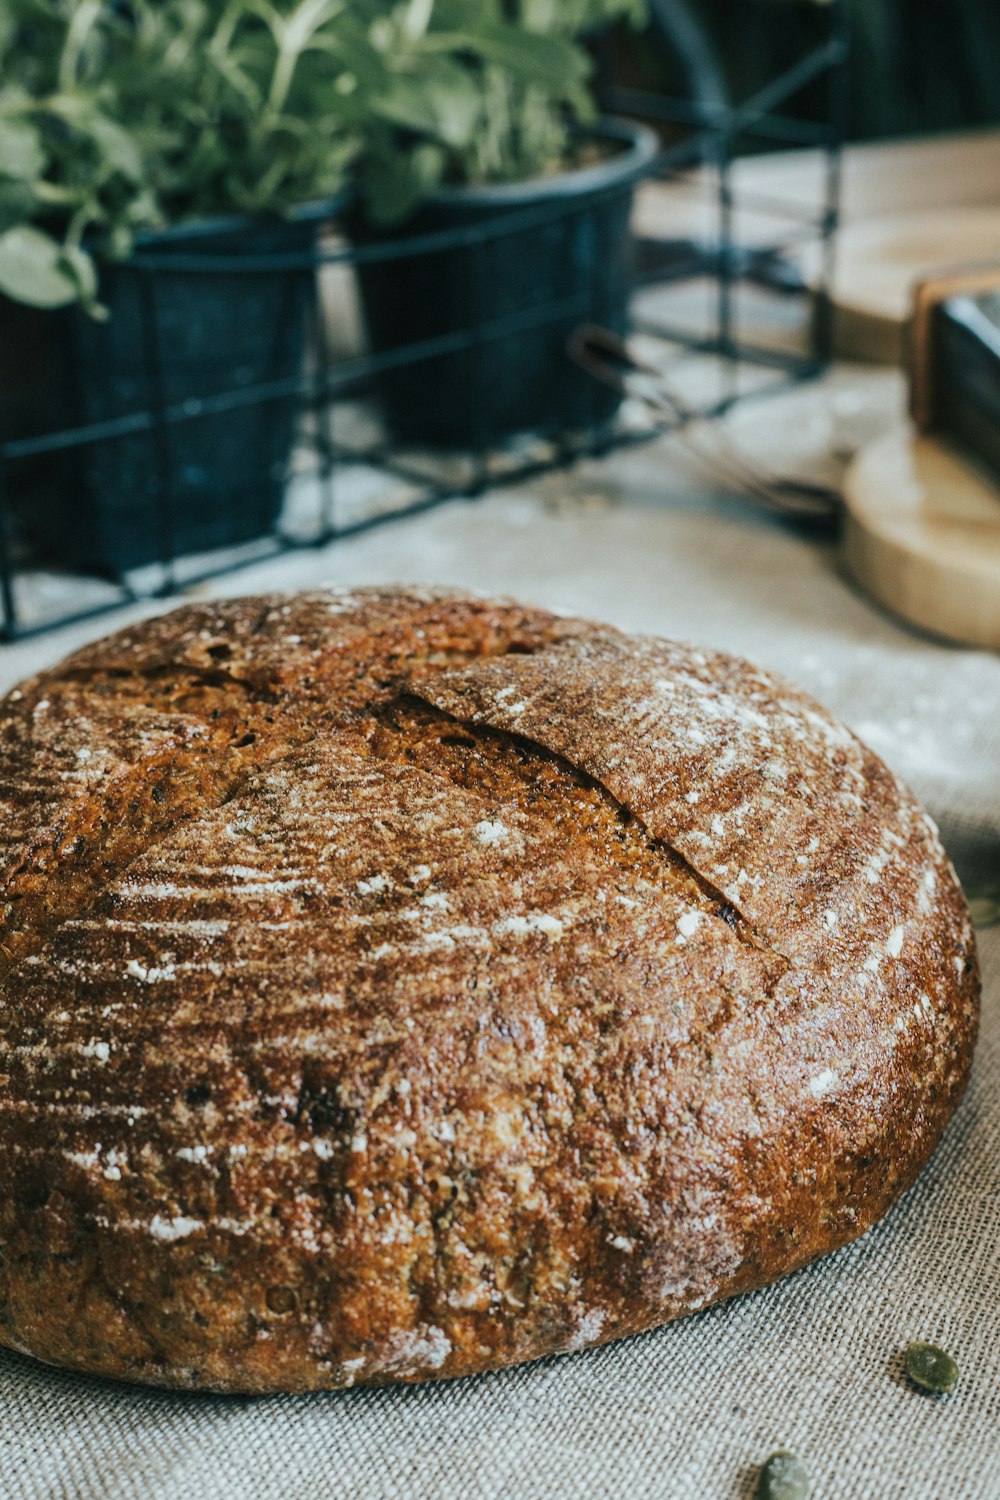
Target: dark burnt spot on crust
[320,1108]
[281,1300]
[34,1192]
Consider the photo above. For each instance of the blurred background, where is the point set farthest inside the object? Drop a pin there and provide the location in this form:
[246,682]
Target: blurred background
[274,273]
[916,65]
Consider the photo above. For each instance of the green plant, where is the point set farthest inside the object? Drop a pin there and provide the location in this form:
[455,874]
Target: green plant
[120,116]
[466,91]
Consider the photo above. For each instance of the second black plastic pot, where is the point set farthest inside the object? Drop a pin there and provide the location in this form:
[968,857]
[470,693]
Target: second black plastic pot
[533,259]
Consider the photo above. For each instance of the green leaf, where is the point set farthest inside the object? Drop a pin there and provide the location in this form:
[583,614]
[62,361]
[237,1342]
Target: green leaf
[119,149]
[396,182]
[119,242]
[417,17]
[442,101]
[33,269]
[116,144]
[8,30]
[551,61]
[405,103]
[304,21]
[21,153]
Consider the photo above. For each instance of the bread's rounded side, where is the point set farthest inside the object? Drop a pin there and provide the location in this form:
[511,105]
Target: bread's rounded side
[399,985]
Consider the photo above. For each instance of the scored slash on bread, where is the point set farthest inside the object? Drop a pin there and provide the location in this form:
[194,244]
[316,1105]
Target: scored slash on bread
[399,984]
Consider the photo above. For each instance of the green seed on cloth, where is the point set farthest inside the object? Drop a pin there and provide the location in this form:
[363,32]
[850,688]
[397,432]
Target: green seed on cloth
[930,1368]
[783,1477]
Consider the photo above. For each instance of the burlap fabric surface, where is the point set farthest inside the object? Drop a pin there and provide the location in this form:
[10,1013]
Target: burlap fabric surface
[689,1411]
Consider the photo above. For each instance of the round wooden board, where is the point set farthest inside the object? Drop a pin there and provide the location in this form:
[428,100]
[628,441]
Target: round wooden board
[879,261]
[922,536]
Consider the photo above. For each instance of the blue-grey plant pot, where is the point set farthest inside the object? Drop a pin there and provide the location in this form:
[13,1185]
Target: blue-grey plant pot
[539,258]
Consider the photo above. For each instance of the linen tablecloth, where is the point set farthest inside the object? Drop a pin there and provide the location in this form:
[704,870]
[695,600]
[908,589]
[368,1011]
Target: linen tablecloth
[814,1363]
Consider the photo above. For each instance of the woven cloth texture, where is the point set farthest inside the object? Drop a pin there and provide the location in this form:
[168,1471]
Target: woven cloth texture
[688,1411]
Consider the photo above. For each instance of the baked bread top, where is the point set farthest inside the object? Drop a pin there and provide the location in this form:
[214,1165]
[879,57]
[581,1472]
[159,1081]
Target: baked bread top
[398,984]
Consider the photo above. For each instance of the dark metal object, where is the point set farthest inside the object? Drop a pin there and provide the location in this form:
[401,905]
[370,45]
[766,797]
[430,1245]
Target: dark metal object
[712,133]
[966,353]
[609,359]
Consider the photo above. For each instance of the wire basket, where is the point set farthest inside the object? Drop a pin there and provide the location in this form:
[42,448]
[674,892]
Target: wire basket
[232,409]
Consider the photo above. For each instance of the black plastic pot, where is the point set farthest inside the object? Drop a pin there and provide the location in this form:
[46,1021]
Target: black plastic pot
[517,268]
[175,338]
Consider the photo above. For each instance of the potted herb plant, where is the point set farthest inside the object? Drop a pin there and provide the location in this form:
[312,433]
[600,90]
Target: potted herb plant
[476,123]
[150,155]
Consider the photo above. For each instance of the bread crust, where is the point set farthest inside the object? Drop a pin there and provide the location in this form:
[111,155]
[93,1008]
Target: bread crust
[398,985]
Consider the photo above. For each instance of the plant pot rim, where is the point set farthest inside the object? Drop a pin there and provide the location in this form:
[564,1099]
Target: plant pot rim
[314,211]
[642,147]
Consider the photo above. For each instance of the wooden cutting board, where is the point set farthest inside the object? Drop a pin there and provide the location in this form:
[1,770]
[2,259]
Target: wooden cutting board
[922,536]
[879,262]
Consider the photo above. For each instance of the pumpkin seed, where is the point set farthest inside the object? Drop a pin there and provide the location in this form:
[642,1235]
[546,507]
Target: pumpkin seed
[783,1477]
[930,1368]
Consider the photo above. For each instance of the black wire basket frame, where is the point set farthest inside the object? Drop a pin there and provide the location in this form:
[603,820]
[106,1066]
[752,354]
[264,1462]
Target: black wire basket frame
[321,387]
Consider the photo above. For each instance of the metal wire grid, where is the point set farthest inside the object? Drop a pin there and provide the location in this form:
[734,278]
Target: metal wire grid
[326,385]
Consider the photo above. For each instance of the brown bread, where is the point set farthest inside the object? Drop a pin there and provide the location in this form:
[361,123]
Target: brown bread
[399,985]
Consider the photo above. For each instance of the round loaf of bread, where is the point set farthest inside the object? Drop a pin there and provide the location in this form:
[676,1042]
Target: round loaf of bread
[398,985]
